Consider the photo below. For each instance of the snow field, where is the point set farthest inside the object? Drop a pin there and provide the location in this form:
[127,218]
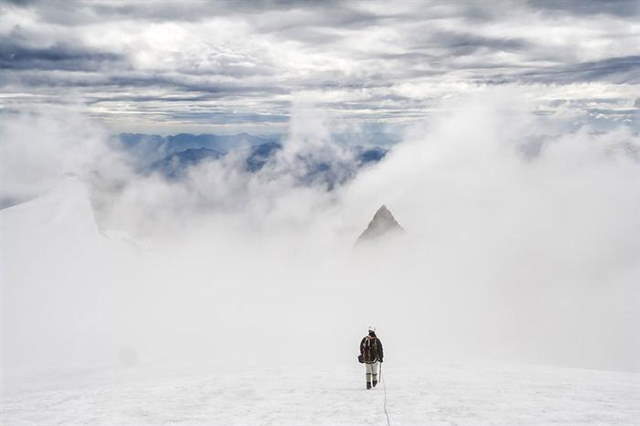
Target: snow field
[329,395]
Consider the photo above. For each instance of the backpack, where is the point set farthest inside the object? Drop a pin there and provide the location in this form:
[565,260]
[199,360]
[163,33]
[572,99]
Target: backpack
[370,351]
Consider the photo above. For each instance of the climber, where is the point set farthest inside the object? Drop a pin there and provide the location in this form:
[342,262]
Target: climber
[370,355]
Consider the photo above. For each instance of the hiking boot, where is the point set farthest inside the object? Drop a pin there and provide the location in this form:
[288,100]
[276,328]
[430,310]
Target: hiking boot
[368,385]
[375,383]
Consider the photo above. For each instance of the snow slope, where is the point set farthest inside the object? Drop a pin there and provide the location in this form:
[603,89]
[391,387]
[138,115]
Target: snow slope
[57,271]
[422,394]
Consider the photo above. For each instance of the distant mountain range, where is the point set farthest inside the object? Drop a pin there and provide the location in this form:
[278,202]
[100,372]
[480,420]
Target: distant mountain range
[174,165]
[150,148]
[172,156]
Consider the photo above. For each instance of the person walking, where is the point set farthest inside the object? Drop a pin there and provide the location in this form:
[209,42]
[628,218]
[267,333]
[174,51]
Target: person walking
[371,355]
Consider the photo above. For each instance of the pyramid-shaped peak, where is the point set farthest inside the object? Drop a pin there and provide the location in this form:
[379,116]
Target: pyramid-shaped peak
[383,213]
[383,223]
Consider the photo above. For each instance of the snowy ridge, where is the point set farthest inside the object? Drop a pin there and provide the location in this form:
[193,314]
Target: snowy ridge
[57,282]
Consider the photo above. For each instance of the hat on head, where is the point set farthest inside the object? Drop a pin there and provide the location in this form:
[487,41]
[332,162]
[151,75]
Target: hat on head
[372,328]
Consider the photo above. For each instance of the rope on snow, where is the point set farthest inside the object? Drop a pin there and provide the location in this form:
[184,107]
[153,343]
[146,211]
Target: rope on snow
[384,386]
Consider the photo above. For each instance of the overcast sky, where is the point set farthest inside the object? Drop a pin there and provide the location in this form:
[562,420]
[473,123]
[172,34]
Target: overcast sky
[227,66]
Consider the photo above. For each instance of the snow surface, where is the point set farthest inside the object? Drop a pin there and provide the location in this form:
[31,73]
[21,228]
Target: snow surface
[57,304]
[420,394]
[66,310]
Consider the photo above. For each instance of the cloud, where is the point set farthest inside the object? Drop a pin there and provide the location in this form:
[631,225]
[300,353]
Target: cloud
[512,252]
[253,55]
[32,144]
[56,57]
[621,8]
[624,70]
[460,44]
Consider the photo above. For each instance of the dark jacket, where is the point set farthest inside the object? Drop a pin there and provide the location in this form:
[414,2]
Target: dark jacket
[371,349]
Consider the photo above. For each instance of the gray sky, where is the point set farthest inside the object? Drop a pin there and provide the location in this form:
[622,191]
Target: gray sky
[228,66]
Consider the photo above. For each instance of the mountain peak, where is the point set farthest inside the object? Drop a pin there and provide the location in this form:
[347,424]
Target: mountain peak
[382,224]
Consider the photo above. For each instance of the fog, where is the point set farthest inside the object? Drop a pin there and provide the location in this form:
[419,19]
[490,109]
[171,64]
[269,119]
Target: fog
[521,246]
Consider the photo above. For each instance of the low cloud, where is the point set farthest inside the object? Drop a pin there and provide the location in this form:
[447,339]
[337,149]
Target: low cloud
[512,253]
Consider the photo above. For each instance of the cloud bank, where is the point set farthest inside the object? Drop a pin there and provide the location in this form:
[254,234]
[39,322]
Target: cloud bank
[521,245]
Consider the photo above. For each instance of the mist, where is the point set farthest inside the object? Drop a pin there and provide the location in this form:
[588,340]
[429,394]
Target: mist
[521,245]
